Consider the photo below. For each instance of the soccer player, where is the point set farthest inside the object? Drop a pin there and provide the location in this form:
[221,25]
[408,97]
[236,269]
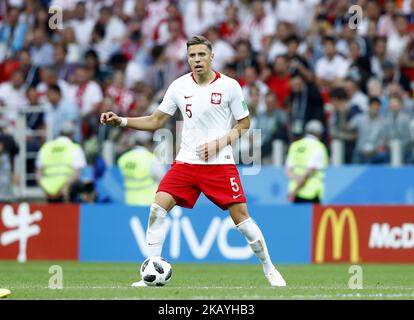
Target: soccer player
[208,102]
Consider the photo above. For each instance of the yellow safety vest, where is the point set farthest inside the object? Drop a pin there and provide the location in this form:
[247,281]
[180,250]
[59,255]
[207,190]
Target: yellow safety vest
[299,154]
[56,159]
[140,186]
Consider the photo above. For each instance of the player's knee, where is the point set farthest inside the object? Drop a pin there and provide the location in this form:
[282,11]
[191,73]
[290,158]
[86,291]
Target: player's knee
[165,200]
[239,213]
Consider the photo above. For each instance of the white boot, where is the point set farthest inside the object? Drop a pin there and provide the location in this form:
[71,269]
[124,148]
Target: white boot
[275,278]
[139,284]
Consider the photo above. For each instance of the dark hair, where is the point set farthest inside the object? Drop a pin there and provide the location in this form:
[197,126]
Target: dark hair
[374,100]
[91,53]
[199,40]
[338,93]
[293,38]
[30,88]
[328,39]
[55,88]
[157,51]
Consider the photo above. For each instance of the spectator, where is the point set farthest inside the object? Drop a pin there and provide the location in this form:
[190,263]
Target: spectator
[223,51]
[13,97]
[99,73]
[10,147]
[379,57]
[88,93]
[360,66]
[358,101]
[397,126]
[230,28]
[65,70]
[6,176]
[339,122]
[115,29]
[305,104]
[74,49]
[297,62]
[175,47]
[371,144]
[251,79]
[279,44]
[162,71]
[198,16]
[386,22]
[259,27]
[332,67]
[407,59]
[161,32]
[371,15]
[48,77]
[376,90]
[279,80]
[82,24]
[60,110]
[59,163]
[12,34]
[398,39]
[41,51]
[123,98]
[272,123]
[35,124]
[392,74]
[243,57]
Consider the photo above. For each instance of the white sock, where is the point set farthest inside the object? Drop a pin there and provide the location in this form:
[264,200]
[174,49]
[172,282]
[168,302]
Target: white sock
[254,237]
[156,230]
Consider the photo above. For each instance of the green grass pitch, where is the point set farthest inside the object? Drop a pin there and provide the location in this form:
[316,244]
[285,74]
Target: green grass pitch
[205,281]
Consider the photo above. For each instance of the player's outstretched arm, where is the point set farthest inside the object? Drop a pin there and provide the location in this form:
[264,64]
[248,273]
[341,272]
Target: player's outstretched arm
[147,123]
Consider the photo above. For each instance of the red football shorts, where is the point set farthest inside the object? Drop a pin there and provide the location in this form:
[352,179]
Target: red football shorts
[219,182]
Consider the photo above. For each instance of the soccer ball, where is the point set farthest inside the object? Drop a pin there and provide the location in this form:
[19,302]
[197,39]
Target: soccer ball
[156,271]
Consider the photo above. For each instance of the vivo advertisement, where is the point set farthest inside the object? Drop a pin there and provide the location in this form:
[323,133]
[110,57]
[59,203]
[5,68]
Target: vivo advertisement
[203,234]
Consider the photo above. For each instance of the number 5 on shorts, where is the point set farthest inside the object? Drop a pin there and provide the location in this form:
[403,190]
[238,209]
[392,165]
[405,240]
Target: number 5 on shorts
[234,185]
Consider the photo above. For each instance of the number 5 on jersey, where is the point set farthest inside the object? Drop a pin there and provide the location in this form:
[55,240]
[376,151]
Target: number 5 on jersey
[188,110]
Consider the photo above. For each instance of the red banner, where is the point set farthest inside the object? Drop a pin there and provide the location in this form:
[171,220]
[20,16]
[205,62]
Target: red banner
[33,231]
[359,234]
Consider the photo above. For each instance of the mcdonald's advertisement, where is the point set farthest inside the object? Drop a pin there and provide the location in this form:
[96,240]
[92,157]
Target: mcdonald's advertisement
[363,234]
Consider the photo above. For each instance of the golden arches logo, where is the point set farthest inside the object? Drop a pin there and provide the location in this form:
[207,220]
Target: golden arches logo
[337,227]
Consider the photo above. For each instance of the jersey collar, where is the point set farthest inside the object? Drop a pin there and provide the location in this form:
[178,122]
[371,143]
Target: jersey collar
[215,78]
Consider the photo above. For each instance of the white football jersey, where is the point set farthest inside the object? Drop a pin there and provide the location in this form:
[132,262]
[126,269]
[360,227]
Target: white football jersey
[208,112]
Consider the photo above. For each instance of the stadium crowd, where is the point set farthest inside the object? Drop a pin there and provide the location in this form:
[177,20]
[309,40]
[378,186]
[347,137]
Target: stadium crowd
[296,60]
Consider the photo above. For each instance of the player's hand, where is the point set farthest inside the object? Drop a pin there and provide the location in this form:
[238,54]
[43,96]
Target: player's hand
[110,118]
[291,196]
[65,191]
[207,150]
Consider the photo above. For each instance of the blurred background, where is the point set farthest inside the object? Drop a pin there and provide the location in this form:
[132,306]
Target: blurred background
[296,61]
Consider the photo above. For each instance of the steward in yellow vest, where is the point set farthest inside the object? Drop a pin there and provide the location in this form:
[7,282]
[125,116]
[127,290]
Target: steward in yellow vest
[305,165]
[142,172]
[59,163]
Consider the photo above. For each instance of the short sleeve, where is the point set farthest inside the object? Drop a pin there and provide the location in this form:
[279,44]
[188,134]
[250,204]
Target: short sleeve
[168,104]
[238,105]
[317,160]
[79,160]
